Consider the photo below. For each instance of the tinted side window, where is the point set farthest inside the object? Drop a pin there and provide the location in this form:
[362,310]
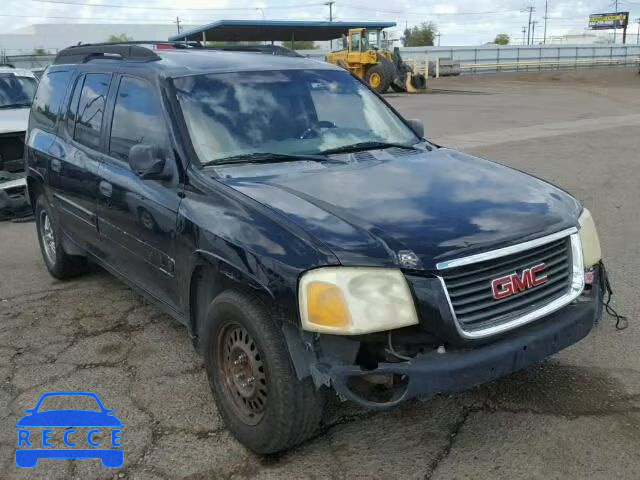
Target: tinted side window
[72,112]
[49,97]
[137,118]
[91,109]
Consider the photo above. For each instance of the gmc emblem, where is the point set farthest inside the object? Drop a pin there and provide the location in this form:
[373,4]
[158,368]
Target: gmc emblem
[513,283]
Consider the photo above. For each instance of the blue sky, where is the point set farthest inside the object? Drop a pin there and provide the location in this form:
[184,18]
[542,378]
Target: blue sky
[460,22]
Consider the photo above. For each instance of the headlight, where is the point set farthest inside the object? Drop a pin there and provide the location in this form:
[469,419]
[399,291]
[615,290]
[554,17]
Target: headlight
[589,238]
[353,301]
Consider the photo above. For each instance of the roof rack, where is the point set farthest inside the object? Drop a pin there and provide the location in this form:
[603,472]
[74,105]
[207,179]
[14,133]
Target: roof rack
[268,49]
[131,51]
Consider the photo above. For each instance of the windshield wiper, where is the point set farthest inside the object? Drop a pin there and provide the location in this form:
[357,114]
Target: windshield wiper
[361,146]
[268,157]
[16,105]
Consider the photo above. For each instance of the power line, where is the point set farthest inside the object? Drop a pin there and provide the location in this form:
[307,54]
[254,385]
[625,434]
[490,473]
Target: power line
[149,7]
[92,20]
[274,7]
[368,8]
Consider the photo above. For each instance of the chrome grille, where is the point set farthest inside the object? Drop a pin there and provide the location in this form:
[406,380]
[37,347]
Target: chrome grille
[470,291]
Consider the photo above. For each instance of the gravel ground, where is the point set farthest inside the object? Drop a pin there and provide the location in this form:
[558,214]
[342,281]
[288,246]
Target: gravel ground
[575,416]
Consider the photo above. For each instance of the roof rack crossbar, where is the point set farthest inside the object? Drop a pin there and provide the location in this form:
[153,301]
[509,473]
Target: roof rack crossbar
[131,51]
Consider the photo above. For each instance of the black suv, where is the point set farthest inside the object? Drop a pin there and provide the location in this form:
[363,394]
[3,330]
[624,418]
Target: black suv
[304,232]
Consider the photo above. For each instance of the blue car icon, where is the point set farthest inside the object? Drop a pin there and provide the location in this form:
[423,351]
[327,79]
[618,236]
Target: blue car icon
[27,457]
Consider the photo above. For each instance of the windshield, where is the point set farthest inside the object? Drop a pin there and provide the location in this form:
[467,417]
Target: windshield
[373,38]
[285,112]
[64,402]
[16,91]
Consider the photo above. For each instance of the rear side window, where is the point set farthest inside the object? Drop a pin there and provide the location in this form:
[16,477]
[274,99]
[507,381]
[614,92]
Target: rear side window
[137,119]
[91,109]
[49,97]
[73,103]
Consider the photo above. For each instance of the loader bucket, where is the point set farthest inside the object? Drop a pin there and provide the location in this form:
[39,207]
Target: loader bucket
[419,81]
[415,82]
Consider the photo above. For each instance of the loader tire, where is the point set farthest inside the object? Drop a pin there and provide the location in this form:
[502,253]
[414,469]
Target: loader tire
[392,72]
[377,78]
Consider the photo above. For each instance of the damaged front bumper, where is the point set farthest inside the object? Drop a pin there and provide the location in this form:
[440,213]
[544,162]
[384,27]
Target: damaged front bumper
[14,200]
[451,371]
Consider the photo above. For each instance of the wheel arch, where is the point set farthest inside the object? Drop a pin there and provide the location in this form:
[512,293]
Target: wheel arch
[212,275]
[35,187]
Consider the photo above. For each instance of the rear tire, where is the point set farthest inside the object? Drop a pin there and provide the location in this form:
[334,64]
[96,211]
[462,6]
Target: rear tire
[377,77]
[263,403]
[60,264]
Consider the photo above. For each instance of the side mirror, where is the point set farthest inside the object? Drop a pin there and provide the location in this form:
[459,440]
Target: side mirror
[147,162]
[417,126]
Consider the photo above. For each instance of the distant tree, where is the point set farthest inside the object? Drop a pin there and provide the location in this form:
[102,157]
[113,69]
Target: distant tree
[123,37]
[40,51]
[502,39]
[420,35]
[299,45]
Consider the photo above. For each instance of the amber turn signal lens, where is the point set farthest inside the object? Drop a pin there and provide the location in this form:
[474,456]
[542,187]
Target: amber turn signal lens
[326,305]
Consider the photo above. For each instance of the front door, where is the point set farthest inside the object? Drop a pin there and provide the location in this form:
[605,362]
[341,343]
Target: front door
[137,217]
[355,46]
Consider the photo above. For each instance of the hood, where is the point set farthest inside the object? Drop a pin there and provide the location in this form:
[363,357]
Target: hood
[441,204]
[14,119]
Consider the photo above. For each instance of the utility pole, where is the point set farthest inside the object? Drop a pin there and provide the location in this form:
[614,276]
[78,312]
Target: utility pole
[638,38]
[524,34]
[615,30]
[177,22]
[546,9]
[438,35]
[330,5]
[530,9]
[533,32]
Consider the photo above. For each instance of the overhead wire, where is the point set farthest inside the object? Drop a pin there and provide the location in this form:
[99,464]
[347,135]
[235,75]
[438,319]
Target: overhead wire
[184,9]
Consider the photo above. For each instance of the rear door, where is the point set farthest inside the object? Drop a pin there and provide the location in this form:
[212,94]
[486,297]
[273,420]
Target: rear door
[137,217]
[44,121]
[77,157]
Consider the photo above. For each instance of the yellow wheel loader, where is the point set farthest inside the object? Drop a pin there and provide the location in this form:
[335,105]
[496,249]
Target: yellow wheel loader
[365,53]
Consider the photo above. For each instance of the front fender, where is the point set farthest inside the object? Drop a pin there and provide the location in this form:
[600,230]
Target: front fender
[235,273]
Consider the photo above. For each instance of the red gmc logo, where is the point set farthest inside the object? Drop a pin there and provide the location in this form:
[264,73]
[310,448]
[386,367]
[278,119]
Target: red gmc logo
[508,285]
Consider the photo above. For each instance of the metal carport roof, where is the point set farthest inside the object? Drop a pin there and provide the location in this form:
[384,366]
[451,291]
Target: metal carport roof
[273,30]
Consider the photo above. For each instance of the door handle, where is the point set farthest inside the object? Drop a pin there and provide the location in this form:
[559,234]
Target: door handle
[56,165]
[106,189]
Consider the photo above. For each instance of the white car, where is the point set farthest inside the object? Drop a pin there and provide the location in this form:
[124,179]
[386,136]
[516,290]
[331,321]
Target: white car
[17,89]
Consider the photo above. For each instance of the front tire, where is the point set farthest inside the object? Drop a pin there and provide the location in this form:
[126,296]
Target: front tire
[60,264]
[260,398]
